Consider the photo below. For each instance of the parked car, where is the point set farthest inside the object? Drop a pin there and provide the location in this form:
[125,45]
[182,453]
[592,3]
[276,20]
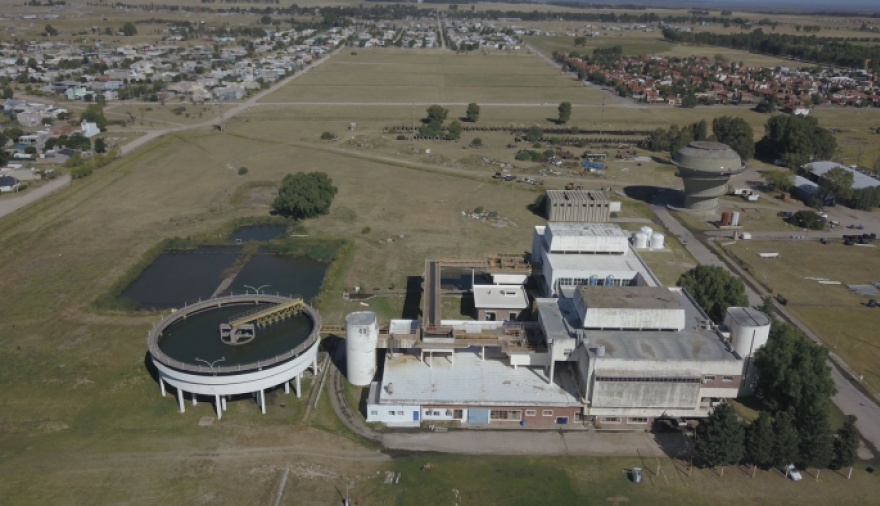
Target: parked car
[793,473]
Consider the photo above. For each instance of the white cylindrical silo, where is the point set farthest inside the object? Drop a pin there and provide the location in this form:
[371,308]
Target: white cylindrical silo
[749,330]
[734,220]
[647,230]
[361,338]
[657,240]
[640,241]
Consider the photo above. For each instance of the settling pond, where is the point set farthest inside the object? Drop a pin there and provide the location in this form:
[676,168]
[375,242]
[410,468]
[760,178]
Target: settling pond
[177,278]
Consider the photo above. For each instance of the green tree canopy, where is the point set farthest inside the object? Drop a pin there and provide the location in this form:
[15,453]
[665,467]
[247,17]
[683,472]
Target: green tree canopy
[304,195]
[473,112]
[846,445]
[95,113]
[838,181]
[454,130]
[128,29]
[807,219]
[785,448]
[781,180]
[797,140]
[436,116]
[564,112]
[736,133]
[759,442]
[815,448]
[714,289]
[720,437]
[793,371]
[7,92]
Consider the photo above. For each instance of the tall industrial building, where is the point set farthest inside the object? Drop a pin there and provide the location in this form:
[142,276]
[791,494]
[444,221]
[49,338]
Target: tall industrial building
[604,344]
[706,167]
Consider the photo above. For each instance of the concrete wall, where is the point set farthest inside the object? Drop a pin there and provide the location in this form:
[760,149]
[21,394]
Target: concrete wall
[624,318]
[578,211]
[611,394]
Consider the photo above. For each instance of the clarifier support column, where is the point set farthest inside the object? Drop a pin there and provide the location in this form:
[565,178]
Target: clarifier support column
[263,401]
[162,387]
[298,386]
[219,404]
[180,400]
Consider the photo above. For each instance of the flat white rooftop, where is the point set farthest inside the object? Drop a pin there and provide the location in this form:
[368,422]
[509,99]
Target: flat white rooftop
[500,297]
[471,381]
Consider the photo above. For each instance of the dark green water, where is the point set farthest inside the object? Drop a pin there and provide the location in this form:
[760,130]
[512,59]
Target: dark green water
[284,275]
[177,278]
[199,337]
[257,233]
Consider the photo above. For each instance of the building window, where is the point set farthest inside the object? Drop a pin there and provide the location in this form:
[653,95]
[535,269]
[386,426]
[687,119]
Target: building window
[501,414]
[727,379]
[374,413]
[578,417]
[531,412]
[547,412]
[457,414]
[708,379]
[637,419]
[609,419]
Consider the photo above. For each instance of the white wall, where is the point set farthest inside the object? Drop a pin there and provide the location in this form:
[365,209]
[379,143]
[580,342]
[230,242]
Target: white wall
[393,415]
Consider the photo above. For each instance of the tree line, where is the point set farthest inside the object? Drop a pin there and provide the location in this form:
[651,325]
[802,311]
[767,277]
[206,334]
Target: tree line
[794,392]
[811,48]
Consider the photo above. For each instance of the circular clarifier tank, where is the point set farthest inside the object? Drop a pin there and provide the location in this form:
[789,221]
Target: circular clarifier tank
[199,349]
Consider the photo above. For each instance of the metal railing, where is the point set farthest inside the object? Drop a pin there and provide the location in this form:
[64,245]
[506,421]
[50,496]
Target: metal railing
[156,332]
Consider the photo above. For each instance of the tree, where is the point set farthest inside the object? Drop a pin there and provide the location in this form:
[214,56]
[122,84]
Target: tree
[564,112]
[328,136]
[785,447]
[793,371]
[796,140]
[436,116]
[807,219]
[838,181]
[128,29]
[266,20]
[815,448]
[846,445]
[94,113]
[736,133]
[304,195]
[50,31]
[759,442]
[534,134]
[689,101]
[13,133]
[580,41]
[454,130]
[720,437]
[699,130]
[473,113]
[477,143]
[100,145]
[7,92]
[781,180]
[714,289]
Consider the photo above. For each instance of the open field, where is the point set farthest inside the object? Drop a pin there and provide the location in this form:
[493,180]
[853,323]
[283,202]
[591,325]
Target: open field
[575,480]
[838,316]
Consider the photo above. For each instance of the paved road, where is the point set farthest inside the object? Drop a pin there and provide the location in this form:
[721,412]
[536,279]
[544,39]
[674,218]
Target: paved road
[849,398]
[229,113]
[10,205]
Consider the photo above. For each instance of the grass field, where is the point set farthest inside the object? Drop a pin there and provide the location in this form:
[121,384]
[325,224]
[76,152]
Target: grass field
[838,316]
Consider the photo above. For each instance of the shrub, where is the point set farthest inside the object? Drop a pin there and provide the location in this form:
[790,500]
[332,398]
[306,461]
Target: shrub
[242,171]
[328,136]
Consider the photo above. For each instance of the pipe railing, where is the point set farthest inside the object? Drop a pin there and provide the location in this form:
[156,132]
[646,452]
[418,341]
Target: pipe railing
[157,354]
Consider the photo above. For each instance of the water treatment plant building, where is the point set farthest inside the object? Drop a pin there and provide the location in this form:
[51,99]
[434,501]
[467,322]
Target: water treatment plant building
[605,343]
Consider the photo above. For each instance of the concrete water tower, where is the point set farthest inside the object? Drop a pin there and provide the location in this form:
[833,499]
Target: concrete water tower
[706,167]
[361,338]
